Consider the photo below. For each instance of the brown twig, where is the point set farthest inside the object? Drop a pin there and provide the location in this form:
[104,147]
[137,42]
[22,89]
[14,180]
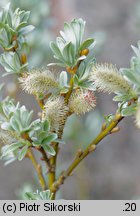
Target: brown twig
[86,152]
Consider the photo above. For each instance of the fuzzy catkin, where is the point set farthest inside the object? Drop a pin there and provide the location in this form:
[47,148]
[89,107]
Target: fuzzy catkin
[5,137]
[55,111]
[107,78]
[39,82]
[82,101]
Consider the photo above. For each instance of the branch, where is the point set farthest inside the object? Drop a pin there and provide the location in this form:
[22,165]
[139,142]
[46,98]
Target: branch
[45,158]
[37,168]
[53,165]
[81,155]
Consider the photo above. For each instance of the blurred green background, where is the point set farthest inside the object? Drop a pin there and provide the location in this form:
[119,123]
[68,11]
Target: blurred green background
[113,171]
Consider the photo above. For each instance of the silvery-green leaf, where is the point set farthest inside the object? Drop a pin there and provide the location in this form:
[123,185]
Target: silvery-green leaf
[69,33]
[86,43]
[10,148]
[130,75]
[41,136]
[64,90]
[46,126]
[60,43]
[15,124]
[76,80]
[129,110]
[21,25]
[31,196]
[25,16]
[65,51]
[39,195]
[45,195]
[136,50]
[63,79]
[26,29]
[22,153]
[49,149]
[5,126]
[55,50]
[5,12]
[124,97]
[1,86]
[49,139]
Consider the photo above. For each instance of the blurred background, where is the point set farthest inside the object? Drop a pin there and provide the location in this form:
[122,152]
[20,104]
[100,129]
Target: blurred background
[113,171]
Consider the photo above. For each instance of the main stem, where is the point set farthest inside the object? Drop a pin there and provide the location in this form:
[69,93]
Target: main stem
[53,160]
[81,155]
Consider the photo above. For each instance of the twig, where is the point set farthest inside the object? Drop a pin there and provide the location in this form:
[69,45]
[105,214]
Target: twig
[37,168]
[81,155]
[52,173]
[45,158]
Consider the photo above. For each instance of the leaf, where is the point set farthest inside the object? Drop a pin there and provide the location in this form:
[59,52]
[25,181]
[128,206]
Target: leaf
[22,153]
[1,86]
[130,75]
[26,16]
[49,138]
[39,195]
[86,43]
[30,196]
[15,124]
[49,149]
[66,54]
[26,29]
[45,195]
[5,12]
[5,126]
[10,148]
[124,97]
[129,110]
[41,135]
[56,50]
[136,50]
[63,79]
[46,126]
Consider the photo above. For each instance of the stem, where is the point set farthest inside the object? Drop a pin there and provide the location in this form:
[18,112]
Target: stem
[45,158]
[38,169]
[53,164]
[81,155]
[52,173]
[70,90]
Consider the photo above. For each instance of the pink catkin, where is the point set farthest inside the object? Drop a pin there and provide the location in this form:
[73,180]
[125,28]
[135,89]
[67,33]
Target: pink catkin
[90,98]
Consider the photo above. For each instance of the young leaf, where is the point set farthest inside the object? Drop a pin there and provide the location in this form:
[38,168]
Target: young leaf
[49,149]
[10,148]
[86,43]
[129,110]
[49,138]
[26,29]
[22,153]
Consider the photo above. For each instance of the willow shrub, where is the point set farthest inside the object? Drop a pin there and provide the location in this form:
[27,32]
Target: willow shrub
[68,89]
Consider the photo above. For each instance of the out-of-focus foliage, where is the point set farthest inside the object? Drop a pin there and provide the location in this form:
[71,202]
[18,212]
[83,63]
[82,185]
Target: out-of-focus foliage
[39,195]
[72,93]
[42,20]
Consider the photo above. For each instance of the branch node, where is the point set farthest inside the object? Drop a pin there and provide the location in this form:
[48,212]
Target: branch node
[117,116]
[103,126]
[79,153]
[92,148]
[114,130]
